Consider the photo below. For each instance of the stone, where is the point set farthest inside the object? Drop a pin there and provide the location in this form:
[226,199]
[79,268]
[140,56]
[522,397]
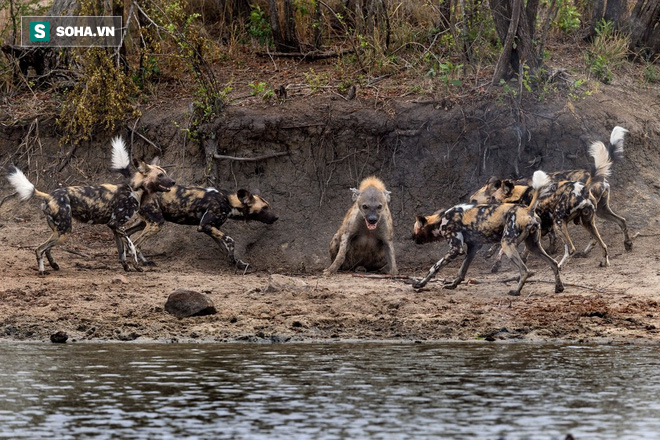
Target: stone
[184,303]
[59,337]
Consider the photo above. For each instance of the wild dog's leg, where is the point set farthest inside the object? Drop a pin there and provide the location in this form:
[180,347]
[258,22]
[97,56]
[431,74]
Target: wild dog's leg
[471,252]
[132,230]
[341,254]
[389,256]
[455,247]
[498,263]
[121,250]
[224,241]
[569,249]
[511,252]
[552,245]
[152,223]
[585,252]
[605,212]
[51,260]
[58,236]
[590,226]
[44,249]
[533,244]
[149,231]
[136,228]
[123,241]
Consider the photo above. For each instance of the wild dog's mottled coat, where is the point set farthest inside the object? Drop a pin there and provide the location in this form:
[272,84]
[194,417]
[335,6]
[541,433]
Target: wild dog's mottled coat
[475,225]
[366,236]
[208,208]
[510,191]
[112,205]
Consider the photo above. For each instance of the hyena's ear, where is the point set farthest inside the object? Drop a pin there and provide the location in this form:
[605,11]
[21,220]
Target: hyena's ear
[155,161]
[387,195]
[244,196]
[356,193]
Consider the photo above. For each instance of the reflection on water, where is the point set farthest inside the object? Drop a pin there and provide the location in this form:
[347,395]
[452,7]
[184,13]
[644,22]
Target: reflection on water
[329,391]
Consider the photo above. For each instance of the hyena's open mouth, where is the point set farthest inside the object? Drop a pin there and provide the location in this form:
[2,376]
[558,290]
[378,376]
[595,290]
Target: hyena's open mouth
[371,226]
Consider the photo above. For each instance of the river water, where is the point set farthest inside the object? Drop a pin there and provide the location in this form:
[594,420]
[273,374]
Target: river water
[329,391]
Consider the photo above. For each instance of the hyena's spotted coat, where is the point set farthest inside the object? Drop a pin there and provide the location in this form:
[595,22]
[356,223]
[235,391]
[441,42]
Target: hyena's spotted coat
[366,236]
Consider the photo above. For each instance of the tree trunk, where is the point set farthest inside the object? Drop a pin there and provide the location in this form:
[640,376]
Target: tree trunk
[444,19]
[645,25]
[616,11]
[515,23]
[284,30]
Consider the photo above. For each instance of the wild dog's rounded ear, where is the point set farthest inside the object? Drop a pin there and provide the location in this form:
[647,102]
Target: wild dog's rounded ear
[356,193]
[244,196]
[141,166]
[256,192]
[497,184]
[155,161]
[493,180]
[507,187]
[387,195]
[421,220]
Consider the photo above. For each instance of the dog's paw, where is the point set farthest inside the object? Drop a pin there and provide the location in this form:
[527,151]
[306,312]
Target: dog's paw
[514,293]
[628,245]
[55,266]
[241,265]
[149,264]
[418,283]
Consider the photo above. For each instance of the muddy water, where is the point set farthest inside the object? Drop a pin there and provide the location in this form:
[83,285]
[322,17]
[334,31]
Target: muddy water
[329,391]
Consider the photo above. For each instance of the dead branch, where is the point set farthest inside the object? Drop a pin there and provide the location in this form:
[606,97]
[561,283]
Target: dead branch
[8,197]
[639,234]
[144,138]
[579,286]
[67,159]
[251,159]
[311,56]
[80,254]
[381,276]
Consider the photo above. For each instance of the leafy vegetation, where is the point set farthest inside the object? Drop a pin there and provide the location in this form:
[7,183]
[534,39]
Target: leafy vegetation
[443,48]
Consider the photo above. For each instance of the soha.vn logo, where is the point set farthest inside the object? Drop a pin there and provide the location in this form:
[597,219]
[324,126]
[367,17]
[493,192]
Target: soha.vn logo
[40,31]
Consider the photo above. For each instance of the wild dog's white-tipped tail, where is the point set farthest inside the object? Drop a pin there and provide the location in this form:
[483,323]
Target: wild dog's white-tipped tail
[21,184]
[616,140]
[120,158]
[540,179]
[602,160]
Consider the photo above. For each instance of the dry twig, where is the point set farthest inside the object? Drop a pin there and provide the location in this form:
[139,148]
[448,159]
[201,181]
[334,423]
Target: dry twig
[251,159]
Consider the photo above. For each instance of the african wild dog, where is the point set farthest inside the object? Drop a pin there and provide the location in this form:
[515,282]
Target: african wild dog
[207,208]
[474,225]
[365,237]
[566,201]
[512,191]
[112,205]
